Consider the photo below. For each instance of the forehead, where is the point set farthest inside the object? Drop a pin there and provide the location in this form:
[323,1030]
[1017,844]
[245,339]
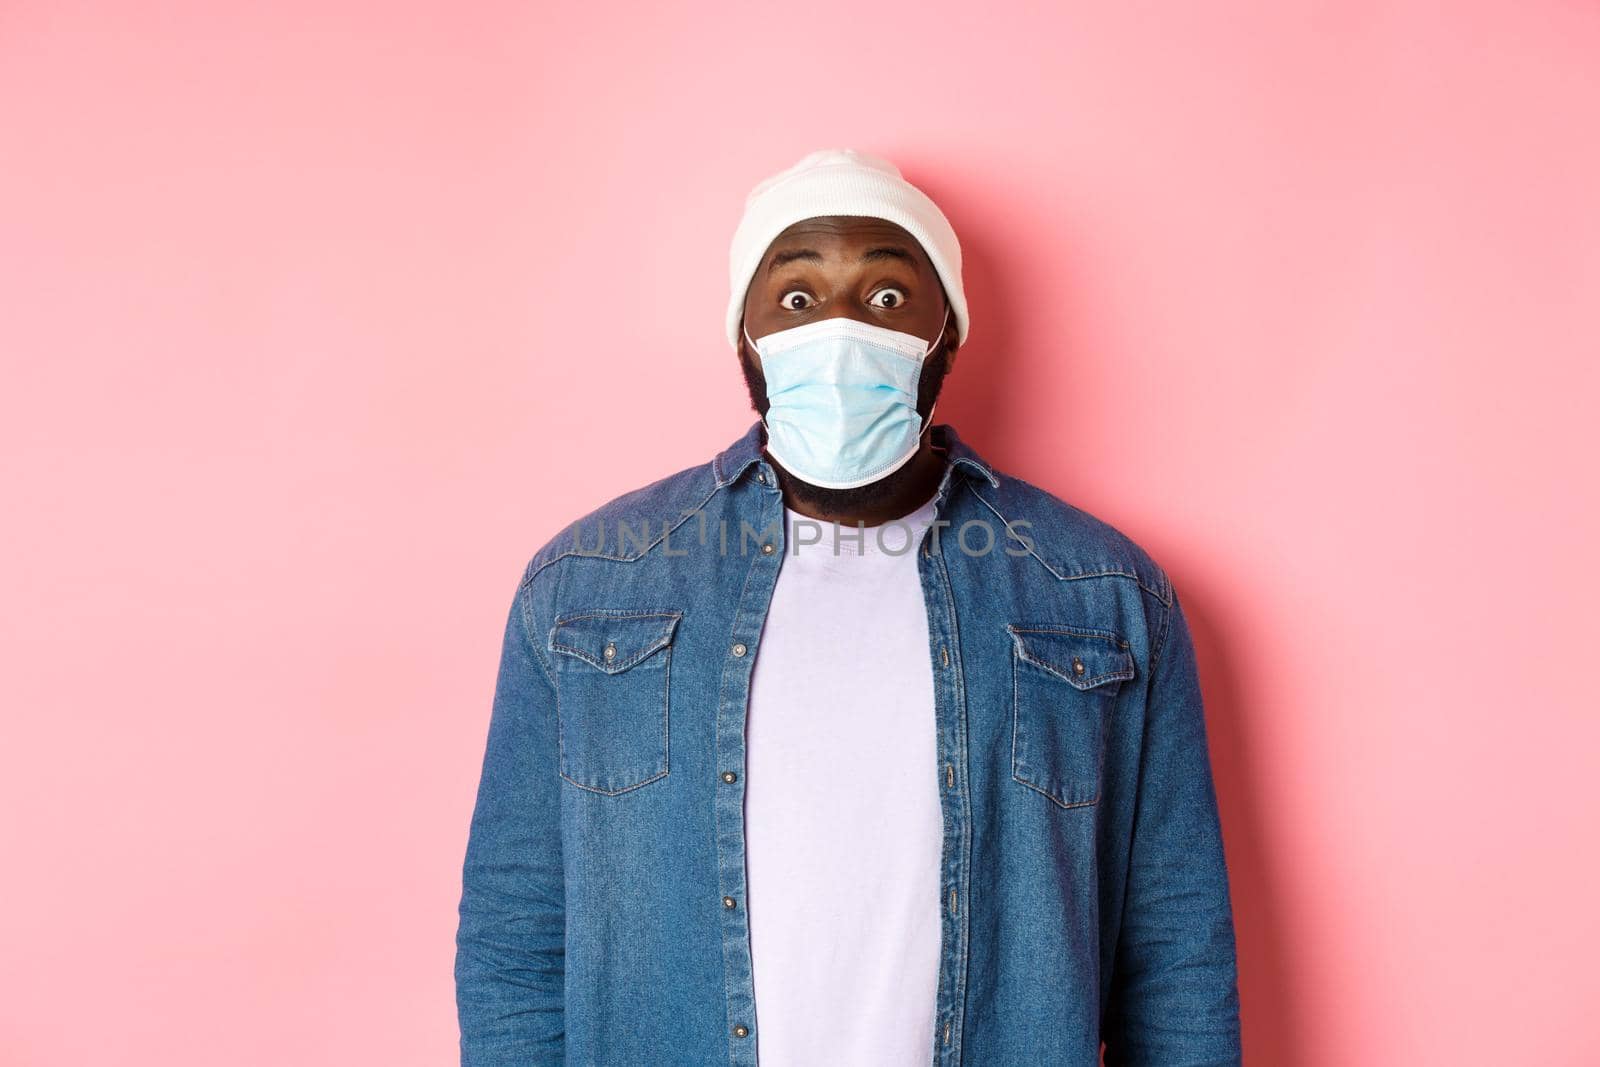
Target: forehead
[844,233]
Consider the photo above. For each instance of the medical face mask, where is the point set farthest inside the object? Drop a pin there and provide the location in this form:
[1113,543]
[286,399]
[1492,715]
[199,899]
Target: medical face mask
[842,399]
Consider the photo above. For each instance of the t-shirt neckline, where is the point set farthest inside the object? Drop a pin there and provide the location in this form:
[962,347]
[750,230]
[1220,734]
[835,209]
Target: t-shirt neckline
[894,537]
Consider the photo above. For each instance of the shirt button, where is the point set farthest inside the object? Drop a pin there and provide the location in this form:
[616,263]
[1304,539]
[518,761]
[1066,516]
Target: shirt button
[741,1030]
[739,649]
[767,549]
[1077,665]
[728,902]
[729,776]
[611,652]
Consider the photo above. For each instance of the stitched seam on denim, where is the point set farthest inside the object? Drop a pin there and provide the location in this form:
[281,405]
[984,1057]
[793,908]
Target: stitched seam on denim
[965,458]
[725,478]
[1161,637]
[1079,631]
[523,609]
[524,596]
[665,533]
[1108,573]
[722,696]
[615,667]
[619,613]
[1092,681]
[665,740]
[615,792]
[968,461]
[1084,686]
[958,1008]
[1016,721]
[1160,595]
[1088,682]
[666,717]
[561,735]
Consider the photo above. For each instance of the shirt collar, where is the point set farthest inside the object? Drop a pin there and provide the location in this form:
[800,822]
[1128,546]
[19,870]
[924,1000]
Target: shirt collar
[734,460]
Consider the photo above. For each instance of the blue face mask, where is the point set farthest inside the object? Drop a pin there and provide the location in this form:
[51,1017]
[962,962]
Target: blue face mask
[843,399]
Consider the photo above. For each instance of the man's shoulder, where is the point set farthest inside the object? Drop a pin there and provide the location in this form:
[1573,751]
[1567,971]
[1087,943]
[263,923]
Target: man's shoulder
[1068,540]
[628,525]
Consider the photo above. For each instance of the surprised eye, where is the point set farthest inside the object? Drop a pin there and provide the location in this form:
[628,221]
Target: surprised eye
[796,300]
[887,298]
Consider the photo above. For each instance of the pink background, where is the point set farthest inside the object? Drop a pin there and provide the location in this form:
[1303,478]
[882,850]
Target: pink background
[318,318]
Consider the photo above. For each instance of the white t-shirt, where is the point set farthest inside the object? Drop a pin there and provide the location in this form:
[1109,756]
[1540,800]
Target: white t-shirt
[842,816]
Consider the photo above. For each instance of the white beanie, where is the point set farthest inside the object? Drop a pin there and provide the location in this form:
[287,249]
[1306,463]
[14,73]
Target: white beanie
[841,181]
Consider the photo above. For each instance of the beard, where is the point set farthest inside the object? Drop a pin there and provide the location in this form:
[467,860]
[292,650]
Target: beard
[861,497]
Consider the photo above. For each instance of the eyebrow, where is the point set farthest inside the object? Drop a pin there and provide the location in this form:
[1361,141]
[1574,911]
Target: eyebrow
[888,252]
[783,258]
[871,254]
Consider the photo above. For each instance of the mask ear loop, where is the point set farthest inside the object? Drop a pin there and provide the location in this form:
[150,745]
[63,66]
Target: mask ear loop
[939,340]
[927,424]
[754,348]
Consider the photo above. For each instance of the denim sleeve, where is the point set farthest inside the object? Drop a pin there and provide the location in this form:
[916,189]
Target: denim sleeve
[510,941]
[1174,997]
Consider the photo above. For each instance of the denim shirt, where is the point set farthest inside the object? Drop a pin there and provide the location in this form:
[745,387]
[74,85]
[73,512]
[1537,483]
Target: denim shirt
[1083,889]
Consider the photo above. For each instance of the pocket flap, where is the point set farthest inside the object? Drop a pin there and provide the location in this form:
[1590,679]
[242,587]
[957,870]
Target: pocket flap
[1083,657]
[613,640]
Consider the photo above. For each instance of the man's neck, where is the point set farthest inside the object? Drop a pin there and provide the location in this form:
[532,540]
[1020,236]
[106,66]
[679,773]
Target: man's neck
[912,487]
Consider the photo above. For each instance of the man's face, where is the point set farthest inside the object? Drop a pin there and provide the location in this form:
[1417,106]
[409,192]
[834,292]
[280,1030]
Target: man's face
[850,267]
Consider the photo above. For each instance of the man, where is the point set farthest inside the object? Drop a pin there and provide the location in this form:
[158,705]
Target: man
[845,748]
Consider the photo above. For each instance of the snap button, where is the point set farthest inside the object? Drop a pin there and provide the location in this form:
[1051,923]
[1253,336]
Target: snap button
[761,476]
[728,902]
[611,651]
[739,649]
[741,1030]
[767,549]
[1077,665]
[729,776]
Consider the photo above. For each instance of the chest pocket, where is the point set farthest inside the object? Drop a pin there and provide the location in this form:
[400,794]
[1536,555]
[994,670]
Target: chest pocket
[1064,684]
[612,671]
